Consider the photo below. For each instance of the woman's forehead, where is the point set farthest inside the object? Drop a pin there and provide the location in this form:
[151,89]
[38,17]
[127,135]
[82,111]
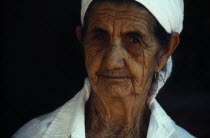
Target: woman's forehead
[109,14]
[119,10]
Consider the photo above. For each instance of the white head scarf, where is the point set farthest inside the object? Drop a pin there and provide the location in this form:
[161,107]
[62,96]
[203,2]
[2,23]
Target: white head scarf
[170,14]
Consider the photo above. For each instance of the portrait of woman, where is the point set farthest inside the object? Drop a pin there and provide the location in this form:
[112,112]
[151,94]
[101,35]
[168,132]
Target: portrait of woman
[106,68]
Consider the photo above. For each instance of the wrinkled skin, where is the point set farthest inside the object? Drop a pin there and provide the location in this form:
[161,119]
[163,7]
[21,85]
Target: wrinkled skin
[121,56]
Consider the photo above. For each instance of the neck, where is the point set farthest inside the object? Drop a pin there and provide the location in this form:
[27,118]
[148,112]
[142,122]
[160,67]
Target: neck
[121,117]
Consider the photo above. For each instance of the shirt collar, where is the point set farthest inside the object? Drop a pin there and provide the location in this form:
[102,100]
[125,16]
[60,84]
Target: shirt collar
[70,120]
[160,122]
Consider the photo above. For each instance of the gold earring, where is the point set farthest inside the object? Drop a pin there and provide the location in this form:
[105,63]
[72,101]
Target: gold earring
[155,75]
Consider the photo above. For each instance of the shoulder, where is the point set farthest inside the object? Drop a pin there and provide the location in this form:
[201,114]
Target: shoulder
[163,126]
[60,122]
[36,127]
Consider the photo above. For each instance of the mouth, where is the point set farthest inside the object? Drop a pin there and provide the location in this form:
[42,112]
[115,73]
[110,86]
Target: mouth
[114,77]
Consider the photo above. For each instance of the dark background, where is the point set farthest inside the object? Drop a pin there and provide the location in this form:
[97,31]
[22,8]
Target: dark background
[43,67]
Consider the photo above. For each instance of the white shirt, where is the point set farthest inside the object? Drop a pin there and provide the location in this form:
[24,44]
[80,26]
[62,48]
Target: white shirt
[69,121]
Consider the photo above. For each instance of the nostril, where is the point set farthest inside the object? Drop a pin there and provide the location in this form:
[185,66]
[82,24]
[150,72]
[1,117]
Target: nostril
[113,57]
[114,62]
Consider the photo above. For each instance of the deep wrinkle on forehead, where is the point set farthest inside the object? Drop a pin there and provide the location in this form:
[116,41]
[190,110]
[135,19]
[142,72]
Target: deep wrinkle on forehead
[121,14]
[132,20]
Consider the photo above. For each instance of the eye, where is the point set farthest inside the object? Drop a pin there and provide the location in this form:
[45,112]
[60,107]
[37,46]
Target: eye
[99,36]
[134,39]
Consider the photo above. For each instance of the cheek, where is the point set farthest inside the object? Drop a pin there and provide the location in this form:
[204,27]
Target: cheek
[93,60]
[141,68]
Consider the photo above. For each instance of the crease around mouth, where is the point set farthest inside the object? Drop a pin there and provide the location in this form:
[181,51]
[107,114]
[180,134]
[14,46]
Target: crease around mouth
[117,74]
[113,76]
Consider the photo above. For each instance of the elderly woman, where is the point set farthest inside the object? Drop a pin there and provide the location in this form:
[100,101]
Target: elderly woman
[128,46]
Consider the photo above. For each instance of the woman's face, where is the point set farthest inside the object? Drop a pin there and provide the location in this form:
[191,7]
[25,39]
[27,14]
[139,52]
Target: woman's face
[121,52]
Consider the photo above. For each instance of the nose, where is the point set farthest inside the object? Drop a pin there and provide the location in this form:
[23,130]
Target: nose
[114,57]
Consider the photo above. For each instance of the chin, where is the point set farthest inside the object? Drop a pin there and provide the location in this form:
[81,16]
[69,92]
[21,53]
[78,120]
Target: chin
[116,91]
[113,88]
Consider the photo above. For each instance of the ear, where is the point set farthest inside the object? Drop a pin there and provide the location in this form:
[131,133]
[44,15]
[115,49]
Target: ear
[79,32]
[172,45]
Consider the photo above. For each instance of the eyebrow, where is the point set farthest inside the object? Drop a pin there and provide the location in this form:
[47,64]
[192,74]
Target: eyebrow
[103,31]
[136,33]
[99,30]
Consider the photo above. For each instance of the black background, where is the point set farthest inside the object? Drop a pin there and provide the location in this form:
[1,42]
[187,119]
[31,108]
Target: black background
[43,67]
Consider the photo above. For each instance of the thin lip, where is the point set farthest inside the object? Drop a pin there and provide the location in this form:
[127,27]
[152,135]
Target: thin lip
[114,77]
